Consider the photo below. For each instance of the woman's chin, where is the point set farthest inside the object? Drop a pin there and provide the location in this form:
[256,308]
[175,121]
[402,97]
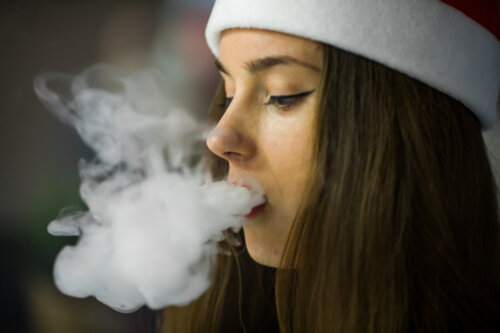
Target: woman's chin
[262,249]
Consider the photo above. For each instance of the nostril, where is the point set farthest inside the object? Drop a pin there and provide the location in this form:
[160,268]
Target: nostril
[233,156]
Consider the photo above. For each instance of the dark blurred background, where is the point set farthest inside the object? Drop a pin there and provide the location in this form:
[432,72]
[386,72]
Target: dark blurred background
[39,155]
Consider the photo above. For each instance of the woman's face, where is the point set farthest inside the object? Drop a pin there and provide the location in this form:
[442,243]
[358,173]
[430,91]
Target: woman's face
[267,131]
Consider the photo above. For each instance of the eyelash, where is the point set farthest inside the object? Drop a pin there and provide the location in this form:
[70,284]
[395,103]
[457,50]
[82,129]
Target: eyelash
[283,102]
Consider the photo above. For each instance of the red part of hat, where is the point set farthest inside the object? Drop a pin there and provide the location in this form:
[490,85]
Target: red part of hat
[484,12]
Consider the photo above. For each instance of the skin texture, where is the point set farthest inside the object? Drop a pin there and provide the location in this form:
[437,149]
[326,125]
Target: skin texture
[268,142]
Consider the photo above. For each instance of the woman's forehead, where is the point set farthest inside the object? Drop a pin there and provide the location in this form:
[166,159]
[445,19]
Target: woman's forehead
[249,44]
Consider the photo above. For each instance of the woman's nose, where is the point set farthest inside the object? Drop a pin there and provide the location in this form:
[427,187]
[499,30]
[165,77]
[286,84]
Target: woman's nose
[230,140]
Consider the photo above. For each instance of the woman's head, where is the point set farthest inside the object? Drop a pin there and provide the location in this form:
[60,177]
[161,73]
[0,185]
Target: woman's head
[286,140]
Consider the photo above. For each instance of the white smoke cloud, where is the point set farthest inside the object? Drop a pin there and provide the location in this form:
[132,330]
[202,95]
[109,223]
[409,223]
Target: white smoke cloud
[150,234]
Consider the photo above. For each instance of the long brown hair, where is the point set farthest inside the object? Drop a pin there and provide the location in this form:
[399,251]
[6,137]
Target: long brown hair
[399,228]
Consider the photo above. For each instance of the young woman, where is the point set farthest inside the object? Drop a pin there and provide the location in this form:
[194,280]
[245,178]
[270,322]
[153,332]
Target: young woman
[360,121]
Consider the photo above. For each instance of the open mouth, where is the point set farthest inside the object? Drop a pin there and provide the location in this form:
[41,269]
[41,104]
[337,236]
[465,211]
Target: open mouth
[256,210]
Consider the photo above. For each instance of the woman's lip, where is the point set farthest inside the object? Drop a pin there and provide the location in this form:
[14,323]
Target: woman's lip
[233,182]
[256,210]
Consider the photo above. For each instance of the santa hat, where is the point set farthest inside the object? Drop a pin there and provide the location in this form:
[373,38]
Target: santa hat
[451,45]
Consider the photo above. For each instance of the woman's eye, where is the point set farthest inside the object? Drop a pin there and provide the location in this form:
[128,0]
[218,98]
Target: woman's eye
[286,101]
[282,102]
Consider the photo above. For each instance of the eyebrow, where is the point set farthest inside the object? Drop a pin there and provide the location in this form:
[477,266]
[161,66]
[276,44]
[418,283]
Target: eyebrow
[262,64]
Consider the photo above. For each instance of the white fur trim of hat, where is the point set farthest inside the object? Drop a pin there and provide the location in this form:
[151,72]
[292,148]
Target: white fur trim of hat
[428,40]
